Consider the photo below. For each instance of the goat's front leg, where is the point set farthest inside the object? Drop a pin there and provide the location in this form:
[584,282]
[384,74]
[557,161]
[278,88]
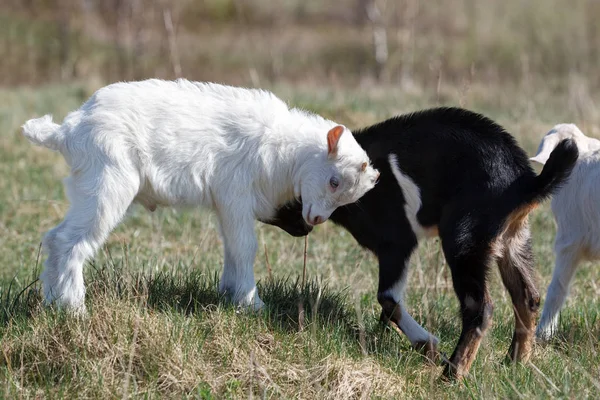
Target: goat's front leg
[239,238]
[392,284]
[566,265]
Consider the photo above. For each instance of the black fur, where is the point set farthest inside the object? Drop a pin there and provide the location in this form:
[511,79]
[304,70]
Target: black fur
[289,218]
[472,177]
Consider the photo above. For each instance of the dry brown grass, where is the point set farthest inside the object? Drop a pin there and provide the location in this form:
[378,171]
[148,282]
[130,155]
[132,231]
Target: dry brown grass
[123,349]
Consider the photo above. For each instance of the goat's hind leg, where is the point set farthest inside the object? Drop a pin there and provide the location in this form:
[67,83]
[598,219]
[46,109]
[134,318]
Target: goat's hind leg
[469,267]
[516,265]
[98,202]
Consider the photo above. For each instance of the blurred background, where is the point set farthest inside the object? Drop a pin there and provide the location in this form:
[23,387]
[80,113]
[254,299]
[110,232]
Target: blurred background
[509,54]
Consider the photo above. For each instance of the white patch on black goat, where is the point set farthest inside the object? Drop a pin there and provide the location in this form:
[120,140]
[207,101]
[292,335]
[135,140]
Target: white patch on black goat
[412,200]
[411,328]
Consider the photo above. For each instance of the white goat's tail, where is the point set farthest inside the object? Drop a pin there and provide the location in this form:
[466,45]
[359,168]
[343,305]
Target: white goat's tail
[43,132]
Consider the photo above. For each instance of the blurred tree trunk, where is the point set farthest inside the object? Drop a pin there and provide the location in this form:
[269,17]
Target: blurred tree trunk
[592,10]
[121,34]
[380,43]
[367,12]
[138,21]
[172,40]
[64,38]
[360,12]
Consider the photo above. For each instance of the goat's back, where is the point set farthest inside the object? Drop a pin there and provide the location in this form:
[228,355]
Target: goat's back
[576,205]
[448,153]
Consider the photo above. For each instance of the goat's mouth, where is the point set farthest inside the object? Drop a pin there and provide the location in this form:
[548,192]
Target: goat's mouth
[313,220]
[307,220]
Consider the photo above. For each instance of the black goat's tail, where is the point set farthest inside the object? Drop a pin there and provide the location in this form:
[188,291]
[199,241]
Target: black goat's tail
[528,192]
[555,173]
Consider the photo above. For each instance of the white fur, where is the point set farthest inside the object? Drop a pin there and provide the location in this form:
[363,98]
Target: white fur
[560,132]
[240,152]
[412,197]
[576,208]
[411,328]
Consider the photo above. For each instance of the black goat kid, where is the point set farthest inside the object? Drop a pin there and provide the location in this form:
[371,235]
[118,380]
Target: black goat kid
[456,174]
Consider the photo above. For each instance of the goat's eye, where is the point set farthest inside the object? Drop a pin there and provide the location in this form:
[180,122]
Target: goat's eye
[334,182]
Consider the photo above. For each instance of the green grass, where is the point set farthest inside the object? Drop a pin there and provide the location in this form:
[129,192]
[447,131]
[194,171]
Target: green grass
[157,326]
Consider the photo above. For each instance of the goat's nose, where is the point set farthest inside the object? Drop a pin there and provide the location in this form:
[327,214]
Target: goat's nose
[317,220]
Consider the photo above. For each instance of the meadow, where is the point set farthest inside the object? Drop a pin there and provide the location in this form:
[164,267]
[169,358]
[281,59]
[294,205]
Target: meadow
[157,326]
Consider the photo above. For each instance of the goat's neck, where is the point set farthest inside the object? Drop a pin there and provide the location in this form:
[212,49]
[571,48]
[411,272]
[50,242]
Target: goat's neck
[299,143]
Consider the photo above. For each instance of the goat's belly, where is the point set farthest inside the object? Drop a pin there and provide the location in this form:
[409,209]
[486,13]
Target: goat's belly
[178,191]
[150,203]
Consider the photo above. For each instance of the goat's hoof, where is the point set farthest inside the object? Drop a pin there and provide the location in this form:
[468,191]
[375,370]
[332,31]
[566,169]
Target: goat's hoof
[78,312]
[250,308]
[429,350]
[74,309]
[521,358]
[544,335]
[444,360]
[451,374]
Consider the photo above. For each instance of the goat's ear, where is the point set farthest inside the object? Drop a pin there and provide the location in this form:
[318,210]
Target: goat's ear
[333,137]
[593,144]
[548,144]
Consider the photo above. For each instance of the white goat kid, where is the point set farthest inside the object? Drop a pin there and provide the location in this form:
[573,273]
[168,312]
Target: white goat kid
[576,208]
[240,152]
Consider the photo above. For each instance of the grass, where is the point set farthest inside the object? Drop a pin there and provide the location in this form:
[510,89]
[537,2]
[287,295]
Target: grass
[158,328]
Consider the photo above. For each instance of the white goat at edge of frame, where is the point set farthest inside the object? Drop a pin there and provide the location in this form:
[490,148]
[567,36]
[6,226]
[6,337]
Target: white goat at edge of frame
[576,209]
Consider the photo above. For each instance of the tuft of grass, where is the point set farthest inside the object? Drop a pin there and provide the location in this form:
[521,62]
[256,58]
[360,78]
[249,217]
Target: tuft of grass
[172,334]
[142,328]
